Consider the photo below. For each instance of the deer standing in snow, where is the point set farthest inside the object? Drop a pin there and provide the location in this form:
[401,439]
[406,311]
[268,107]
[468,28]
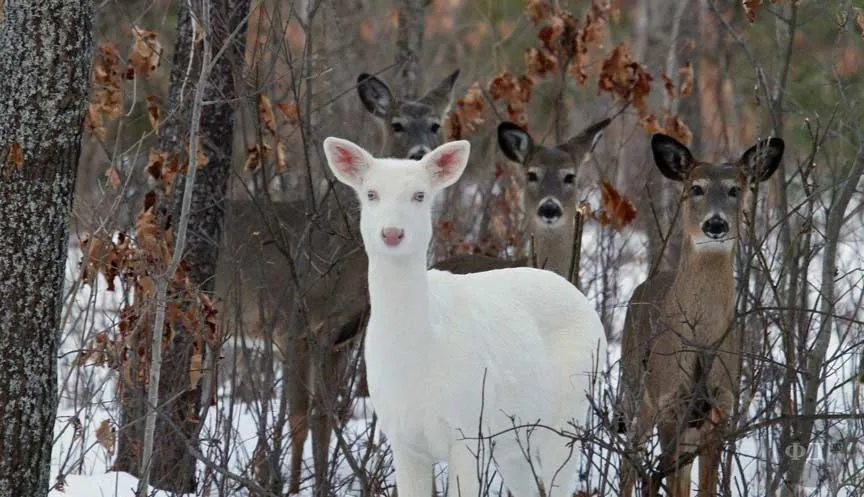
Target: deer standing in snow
[253,271]
[445,351]
[681,348]
[549,199]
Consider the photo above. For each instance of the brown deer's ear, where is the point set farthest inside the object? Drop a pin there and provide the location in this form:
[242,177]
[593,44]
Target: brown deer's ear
[441,97]
[673,158]
[762,159]
[584,142]
[375,95]
[515,142]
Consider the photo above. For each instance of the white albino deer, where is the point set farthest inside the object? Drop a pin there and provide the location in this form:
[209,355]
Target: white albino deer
[549,199]
[681,347]
[445,352]
[254,270]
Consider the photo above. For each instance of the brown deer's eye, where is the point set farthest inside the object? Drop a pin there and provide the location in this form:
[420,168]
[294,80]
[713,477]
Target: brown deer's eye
[696,191]
[435,127]
[532,177]
[569,178]
[397,127]
[733,192]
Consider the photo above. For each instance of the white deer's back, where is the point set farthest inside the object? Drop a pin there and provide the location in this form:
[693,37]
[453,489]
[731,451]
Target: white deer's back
[528,330]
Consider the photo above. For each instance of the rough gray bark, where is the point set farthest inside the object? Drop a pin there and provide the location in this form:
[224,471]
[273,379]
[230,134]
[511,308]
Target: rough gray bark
[45,56]
[173,466]
[409,46]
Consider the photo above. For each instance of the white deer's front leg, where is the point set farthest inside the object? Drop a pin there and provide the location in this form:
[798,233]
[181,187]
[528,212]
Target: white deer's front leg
[413,472]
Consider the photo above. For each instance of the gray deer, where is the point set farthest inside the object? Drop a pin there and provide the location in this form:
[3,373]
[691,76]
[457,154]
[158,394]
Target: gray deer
[681,347]
[549,200]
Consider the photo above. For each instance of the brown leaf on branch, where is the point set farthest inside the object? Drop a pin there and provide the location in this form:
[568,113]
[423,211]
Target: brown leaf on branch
[617,210]
[105,435]
[668,85]
[467,115]
[537,10]
[551,33]
[750,8]
[146,53]
[678,129]
[289,110]
[685,80]
[93,121]
[253,156]
[153,112]
[539,62]
[626,79]
[107,81]
[265,112]
[859,20]
[113,177]
[281,156]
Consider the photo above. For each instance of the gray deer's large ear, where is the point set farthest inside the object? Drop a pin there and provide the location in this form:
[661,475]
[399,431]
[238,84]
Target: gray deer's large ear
[515,142]
[375,95]
[673,158]
[583,143]
[441,97]
[762,159]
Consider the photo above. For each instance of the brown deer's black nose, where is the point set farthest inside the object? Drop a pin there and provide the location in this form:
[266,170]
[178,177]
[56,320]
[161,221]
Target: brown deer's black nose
[417,155]
[715,227]
[549,211]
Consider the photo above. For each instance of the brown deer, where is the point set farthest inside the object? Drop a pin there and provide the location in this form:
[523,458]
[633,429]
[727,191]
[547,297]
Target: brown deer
[255,269]
[681,347]
[549,200]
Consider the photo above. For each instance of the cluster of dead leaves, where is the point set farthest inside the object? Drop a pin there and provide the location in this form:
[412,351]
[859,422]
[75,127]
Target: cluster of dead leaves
[564,40]
[258,152]
[106,78]
[515,92]
[467,115]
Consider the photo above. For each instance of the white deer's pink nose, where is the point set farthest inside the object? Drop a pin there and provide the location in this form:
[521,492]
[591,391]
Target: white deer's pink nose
[392,236]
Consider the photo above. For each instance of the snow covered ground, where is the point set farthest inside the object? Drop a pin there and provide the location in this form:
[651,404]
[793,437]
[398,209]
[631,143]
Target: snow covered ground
[88,400]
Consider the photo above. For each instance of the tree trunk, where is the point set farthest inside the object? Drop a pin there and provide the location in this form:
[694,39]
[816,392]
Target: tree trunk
[409,47]
[45,56]
[173,466]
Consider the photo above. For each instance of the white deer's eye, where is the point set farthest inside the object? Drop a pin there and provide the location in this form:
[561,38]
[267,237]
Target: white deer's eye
[419,196]
[372,195]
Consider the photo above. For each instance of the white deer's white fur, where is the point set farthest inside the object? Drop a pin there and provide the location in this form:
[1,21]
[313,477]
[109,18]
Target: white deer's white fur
[433,335]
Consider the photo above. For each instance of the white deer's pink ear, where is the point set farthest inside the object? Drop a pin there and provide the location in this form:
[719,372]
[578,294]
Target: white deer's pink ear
[348,161]
[447,162]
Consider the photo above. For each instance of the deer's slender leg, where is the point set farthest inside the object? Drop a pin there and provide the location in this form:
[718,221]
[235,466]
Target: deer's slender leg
[296,373]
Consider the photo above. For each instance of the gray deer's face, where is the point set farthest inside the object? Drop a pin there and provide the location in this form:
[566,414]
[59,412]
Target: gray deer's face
[549,199]
[714,194]
[411,127]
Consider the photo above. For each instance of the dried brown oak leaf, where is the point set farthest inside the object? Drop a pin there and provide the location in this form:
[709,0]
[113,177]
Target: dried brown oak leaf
[617,210]
[153,112]
[685,80]
[265,112]
[539,62]
[146,53]
[625,78]
[750,8]
[678,129]
[105,435]
[289,110]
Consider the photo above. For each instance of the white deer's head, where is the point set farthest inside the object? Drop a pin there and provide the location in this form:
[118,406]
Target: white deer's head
[396,194]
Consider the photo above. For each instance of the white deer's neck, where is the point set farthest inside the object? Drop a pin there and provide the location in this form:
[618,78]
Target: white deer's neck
[399,291]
